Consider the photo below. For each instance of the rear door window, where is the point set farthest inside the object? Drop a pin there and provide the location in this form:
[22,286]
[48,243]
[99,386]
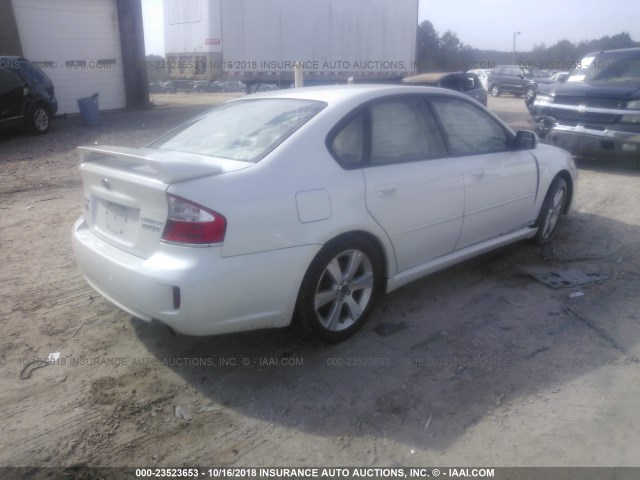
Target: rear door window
[8,80]
[404,130]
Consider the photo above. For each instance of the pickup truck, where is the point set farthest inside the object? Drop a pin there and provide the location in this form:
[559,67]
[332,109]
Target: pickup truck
[596,112]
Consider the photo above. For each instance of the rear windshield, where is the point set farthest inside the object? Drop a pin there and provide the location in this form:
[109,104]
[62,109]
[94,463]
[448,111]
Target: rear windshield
[244,130]
[613,67]
[35,74]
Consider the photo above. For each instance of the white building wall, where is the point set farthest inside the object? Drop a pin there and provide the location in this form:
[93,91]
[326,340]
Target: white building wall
[77,44]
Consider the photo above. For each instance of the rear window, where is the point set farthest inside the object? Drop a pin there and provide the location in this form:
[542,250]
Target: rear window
[34,73]
[245,130]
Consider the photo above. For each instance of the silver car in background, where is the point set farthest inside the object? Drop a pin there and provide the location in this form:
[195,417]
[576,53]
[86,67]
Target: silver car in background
[483,75]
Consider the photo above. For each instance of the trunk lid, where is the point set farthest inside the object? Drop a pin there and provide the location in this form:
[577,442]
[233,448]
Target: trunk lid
[125,191]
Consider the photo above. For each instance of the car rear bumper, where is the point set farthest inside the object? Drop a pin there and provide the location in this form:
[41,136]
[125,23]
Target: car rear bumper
[195,291]
[600,144]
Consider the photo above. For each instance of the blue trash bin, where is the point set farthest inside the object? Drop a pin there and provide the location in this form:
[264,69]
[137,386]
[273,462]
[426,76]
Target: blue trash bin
[89,111]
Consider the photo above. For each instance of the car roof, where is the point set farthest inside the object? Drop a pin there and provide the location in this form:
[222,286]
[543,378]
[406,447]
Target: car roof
[334,94]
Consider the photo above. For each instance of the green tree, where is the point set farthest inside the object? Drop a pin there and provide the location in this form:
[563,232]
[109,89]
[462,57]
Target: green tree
[453,54]
[427,47]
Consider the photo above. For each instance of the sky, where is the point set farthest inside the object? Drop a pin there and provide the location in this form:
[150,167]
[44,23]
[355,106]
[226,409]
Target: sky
[490,24]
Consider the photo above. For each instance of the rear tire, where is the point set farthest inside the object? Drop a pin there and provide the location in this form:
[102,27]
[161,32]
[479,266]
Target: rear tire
[39,119]
[529,103]
[339,289]
[495,90]
[552,208]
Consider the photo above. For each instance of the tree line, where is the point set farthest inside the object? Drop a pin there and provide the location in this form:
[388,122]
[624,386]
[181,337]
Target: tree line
[446,53]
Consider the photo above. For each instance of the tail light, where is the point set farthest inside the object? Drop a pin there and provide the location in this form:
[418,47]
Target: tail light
[191,224]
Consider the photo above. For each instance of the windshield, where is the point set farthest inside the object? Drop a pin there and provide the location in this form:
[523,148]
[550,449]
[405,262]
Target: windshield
[607,68]
[244,130]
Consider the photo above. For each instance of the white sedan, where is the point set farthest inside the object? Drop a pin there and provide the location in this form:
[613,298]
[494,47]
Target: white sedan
[303,206]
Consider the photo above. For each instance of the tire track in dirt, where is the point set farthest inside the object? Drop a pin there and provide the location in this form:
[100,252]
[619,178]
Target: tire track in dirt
[59,430]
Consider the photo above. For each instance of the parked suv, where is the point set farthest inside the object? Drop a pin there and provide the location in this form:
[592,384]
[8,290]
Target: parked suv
[516,80]
[596,112]
[26,95]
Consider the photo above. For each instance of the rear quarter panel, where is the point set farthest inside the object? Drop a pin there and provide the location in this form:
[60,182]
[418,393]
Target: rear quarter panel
[260,202]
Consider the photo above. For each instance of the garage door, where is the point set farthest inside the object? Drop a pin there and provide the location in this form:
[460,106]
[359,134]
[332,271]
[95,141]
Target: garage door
[77,44]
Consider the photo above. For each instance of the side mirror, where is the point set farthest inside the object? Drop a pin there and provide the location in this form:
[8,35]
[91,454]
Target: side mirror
[524,140]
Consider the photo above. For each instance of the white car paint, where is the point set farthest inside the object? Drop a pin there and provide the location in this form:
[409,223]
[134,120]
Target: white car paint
[281,212]
[483,75]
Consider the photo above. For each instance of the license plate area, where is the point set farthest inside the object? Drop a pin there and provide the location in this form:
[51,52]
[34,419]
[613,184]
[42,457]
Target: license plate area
[117,221]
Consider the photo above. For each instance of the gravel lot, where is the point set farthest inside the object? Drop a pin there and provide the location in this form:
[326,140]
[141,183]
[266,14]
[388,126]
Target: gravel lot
[479,365]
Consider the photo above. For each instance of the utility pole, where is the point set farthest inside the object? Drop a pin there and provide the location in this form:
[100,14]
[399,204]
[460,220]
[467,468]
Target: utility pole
[514,47]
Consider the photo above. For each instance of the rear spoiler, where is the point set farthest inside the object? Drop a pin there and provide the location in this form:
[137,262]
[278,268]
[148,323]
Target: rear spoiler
[169,167]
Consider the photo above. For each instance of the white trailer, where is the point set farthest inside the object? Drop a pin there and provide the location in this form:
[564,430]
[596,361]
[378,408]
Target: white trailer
[264,40]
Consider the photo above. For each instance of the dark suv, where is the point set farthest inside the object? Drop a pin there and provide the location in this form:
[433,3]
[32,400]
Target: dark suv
[26,95]
[516,80]
[467,83]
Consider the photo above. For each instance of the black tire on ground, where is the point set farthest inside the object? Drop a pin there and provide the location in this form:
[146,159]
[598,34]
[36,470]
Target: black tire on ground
[495,90]
[529,103]
[339,289]
[551,211]
[39,119]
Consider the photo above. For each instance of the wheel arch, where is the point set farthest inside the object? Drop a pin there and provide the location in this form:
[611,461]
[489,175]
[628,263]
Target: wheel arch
[566,176]
[304,321]
[375,242]
[39,103]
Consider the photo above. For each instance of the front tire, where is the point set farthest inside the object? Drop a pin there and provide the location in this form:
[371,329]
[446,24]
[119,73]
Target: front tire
[552,208]
[529,93]
[495,90]
[339,289]
[39,120]
[529,103]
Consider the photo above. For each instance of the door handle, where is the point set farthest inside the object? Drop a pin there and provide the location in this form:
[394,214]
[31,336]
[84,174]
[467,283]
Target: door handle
[477,175]
[386,190]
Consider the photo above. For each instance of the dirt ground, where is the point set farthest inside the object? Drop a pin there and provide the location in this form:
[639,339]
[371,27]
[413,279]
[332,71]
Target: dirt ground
[478,365]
